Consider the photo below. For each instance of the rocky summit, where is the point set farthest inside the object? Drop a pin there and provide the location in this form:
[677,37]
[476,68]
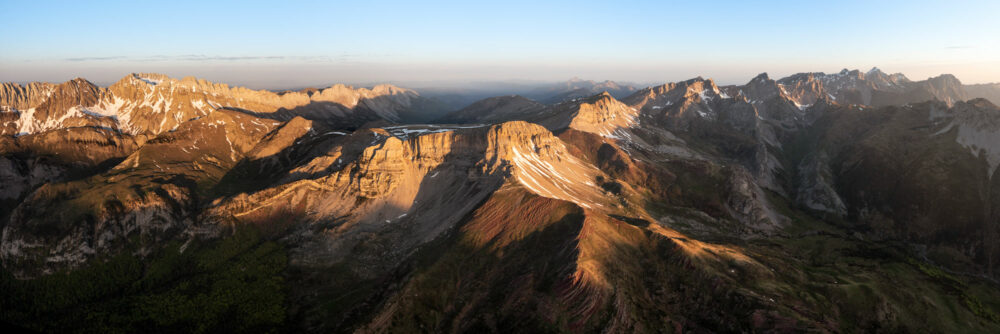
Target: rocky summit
[845,202]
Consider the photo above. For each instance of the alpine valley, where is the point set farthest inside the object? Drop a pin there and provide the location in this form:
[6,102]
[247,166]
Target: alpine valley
[844,202]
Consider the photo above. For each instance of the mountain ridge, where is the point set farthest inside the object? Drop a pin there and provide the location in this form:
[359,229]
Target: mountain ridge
[774,205]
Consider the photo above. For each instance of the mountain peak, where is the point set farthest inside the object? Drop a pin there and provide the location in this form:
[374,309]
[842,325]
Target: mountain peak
[150,78]
[945,77]
[762,76]
[695,79]
[598,98]
[390,89]
[599,114]
[76,82]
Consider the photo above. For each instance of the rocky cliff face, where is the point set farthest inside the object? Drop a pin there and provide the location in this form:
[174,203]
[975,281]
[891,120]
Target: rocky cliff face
[15,96]
[153,194]
[978,125]
[411,187]
[59,108]
[32,160]
[600,114]
[895,170]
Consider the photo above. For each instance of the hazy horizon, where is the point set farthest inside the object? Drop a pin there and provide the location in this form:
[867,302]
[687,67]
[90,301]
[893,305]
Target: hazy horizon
[314,44]
[275,83]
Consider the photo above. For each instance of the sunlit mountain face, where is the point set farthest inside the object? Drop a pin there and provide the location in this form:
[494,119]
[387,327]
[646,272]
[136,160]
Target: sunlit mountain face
[856,201]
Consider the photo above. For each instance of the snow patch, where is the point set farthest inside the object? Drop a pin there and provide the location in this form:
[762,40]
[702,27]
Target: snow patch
[704,97]
[978,132]
[26,122]
[404,132]
[544,179]
[150,81]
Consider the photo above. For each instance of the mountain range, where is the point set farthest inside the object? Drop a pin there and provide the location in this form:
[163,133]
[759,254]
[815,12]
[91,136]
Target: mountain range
[845,202]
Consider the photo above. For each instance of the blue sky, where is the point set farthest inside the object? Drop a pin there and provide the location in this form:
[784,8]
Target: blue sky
[277,44]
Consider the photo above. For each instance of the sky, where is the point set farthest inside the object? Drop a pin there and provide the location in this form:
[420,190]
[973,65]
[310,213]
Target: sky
[288,44]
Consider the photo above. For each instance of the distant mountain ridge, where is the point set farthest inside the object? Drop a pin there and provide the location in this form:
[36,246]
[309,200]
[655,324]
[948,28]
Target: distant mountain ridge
[578,88]
[154,103]
[872,88]
[456,98]
[140,103]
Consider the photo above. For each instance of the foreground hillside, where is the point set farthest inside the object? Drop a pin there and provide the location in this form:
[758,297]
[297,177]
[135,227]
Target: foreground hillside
[849,202]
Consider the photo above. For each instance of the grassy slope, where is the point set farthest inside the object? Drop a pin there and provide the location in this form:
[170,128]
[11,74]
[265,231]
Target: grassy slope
[832,276]
[526,263]
[825,276]
[232,285]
